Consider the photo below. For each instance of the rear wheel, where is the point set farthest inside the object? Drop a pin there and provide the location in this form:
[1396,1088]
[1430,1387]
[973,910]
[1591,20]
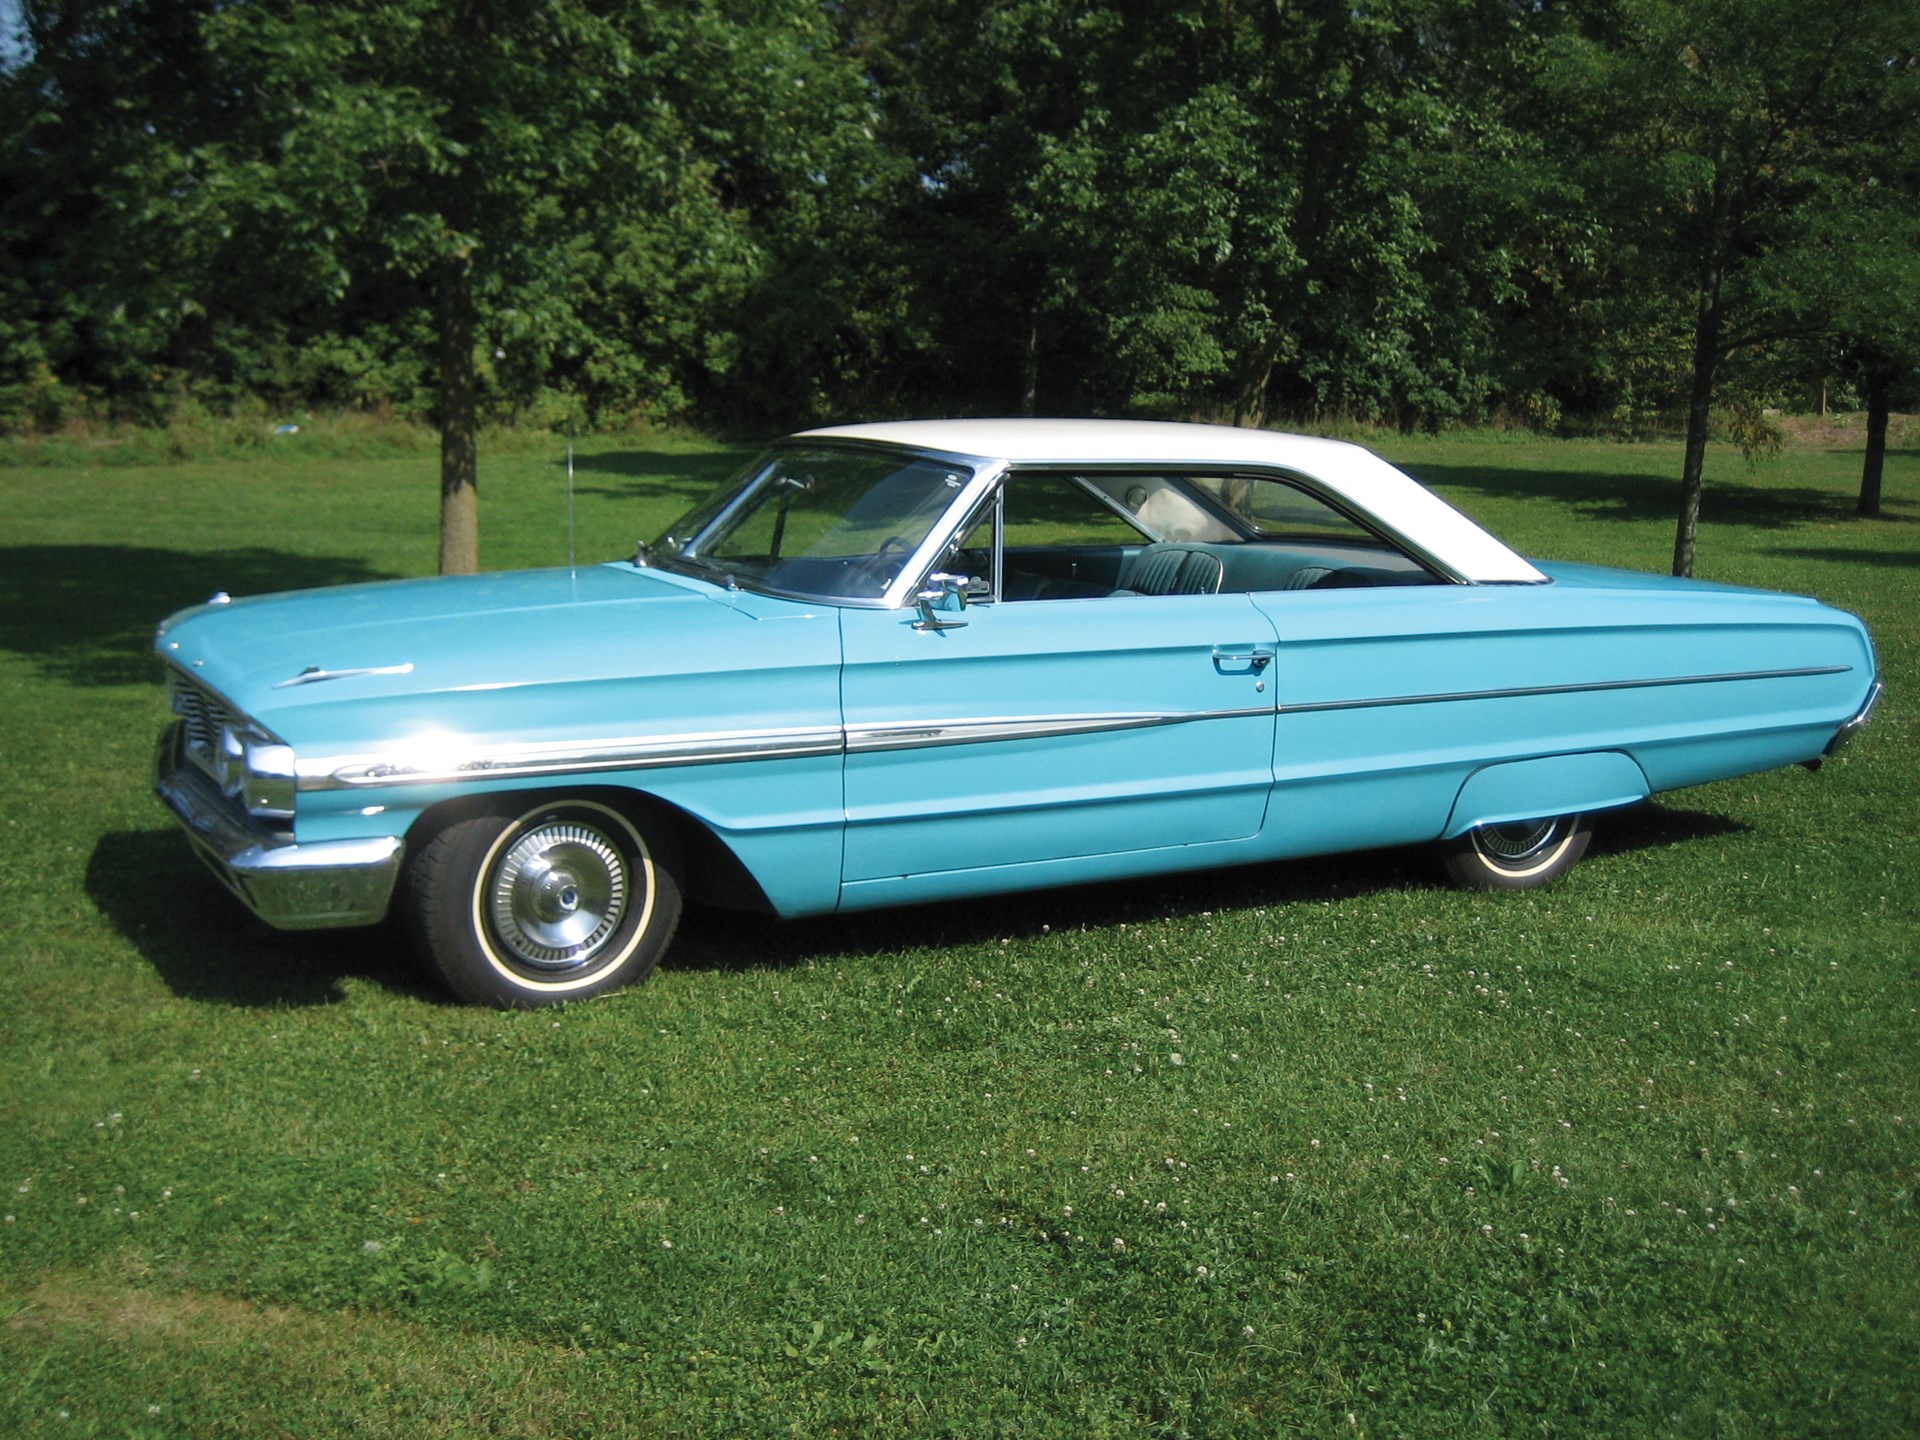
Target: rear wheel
[567,899]
[1517,854]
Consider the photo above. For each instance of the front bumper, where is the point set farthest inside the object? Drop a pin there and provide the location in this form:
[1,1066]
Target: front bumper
[288,885]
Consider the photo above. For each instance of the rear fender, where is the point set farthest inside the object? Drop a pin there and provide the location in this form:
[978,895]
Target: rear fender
[1550,785]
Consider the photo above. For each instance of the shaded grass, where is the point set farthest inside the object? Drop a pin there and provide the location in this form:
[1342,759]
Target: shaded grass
[1632,1155]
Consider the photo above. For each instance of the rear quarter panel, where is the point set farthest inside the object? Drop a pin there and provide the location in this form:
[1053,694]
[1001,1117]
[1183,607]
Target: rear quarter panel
[1391,699]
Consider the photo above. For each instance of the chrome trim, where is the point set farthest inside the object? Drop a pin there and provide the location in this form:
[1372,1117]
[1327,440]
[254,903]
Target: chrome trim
[290,886]
[932,550]
[446,765]
[915,734]
[1257,658]
[1853,727]
[1580,688]
[313,674]
[441,762]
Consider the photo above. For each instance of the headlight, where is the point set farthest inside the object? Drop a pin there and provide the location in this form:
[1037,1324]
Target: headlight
[258,771]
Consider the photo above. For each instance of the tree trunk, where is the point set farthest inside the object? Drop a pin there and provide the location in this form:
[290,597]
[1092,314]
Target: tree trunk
[1870,468]
[1694,463]
[1255,386]
[1706,359]
[459,459]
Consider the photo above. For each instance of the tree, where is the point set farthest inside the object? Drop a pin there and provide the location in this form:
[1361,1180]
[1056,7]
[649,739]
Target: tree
[1877,317]
[1204,205]
[456,145]
[508,198]
[1707,134]
[110,237]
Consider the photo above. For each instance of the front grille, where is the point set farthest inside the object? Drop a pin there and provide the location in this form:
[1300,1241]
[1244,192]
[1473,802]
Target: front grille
[253,770]
[205,714]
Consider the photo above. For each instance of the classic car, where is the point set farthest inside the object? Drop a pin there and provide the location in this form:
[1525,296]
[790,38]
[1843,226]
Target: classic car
[908,662]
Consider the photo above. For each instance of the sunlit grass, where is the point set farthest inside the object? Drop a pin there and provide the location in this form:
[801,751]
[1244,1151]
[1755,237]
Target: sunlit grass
[1319,1148]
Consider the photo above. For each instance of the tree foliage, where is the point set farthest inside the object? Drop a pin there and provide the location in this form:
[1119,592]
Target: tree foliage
[772,211]
[1722,139]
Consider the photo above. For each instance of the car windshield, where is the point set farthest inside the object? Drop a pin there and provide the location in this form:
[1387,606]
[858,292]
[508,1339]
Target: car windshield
[832,523]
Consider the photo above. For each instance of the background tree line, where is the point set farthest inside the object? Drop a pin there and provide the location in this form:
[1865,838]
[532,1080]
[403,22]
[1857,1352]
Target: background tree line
[773,211]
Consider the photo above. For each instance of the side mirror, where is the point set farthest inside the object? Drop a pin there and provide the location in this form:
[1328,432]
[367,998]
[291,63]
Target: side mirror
[949,593]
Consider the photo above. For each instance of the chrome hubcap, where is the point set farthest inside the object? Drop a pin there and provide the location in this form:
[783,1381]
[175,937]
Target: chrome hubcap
[558,894]
[1518,840]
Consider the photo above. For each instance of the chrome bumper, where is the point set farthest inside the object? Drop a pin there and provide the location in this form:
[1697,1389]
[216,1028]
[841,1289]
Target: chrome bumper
[1853,727]
[288,885]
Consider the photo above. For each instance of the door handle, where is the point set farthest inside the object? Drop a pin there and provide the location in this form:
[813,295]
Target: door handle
[1254,658]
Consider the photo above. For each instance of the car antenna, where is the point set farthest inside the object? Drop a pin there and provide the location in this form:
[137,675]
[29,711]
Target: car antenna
[572,574]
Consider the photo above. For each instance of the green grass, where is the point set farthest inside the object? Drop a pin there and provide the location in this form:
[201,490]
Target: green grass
[1634,1155]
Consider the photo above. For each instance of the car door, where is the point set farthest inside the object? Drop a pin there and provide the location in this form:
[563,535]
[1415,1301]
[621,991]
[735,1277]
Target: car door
[1022,732]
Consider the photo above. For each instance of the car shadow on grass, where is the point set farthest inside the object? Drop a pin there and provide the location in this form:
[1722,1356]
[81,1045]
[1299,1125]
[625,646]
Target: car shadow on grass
[84,614]
[720,940]
[206,947]
[1655,826]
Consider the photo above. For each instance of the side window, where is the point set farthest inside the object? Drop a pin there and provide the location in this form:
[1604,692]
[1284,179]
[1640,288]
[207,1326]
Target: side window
[1053,511]
[1160,507]
[1275,510]
[1058,541]
[1297,541]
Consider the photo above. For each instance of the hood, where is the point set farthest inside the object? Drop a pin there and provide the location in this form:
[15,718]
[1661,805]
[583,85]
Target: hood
[298,661]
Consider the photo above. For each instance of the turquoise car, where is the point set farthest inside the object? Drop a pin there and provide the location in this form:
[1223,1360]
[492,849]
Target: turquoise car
[908,662]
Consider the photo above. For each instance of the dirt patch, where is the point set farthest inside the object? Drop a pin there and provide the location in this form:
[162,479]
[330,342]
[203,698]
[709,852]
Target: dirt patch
[1844,429]
[127,1314]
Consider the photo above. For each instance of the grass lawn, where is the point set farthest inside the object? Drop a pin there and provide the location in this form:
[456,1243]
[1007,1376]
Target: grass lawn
[1317,1148]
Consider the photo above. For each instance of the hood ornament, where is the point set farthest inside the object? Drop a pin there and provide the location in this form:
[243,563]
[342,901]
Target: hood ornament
[313,674]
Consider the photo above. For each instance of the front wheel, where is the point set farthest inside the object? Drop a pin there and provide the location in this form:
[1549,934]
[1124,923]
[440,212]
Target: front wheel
[523,908]
[1516,855]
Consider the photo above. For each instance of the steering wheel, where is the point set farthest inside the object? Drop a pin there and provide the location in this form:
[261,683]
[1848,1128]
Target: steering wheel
[876,564]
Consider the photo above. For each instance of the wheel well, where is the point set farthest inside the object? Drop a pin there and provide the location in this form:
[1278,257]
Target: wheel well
[1549,785]
[714,874]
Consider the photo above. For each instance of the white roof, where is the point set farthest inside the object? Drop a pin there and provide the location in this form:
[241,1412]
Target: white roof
[1357,475]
